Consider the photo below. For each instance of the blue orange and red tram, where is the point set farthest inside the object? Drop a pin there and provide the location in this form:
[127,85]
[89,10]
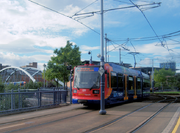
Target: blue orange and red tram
[121,84]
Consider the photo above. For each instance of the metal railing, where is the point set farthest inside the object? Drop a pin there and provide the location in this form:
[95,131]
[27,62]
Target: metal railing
[23,100]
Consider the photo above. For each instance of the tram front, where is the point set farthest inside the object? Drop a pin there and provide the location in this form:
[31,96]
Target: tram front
[86,85]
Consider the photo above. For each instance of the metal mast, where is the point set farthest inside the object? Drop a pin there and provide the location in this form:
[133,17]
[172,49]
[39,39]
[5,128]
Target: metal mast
[101,70]
[134,53]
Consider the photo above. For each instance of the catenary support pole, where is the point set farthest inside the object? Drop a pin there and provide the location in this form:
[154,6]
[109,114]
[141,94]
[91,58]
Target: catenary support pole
[70,86]
[152,75]
[102,102]
[119,56]
[105,47]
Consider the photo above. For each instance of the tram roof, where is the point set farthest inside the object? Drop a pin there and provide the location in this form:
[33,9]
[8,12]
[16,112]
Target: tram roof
[124,70]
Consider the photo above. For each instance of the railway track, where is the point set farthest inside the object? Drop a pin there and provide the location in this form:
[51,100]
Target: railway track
[82,112]
[166,99]
[170,101]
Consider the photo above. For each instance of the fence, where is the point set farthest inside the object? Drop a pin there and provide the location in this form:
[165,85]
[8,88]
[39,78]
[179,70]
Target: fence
[21,100]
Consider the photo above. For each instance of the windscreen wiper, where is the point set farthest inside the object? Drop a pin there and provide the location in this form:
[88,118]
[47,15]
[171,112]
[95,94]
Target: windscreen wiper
[94,85]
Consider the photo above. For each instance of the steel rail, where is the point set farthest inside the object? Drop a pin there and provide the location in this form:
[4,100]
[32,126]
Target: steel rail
[155,114]
[46,123]
[41,116]
[119,118]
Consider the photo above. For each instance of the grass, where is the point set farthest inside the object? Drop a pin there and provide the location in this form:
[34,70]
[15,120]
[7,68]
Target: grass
[168,93]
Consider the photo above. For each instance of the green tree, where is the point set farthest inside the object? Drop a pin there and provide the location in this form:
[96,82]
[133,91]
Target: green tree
[12,86]
[57,66]
[2,87]
[52,72]
[161,77]
[177,81]
[32,85]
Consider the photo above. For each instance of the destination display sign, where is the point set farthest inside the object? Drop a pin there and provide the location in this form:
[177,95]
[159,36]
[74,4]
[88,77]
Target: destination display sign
[88,69]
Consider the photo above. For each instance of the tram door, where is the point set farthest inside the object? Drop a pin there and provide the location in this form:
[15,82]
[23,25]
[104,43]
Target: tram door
[125,87]
[130,87]
[139,87]
[135,88]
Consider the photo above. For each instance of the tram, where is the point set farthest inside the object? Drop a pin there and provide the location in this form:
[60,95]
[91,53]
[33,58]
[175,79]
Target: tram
[121,84]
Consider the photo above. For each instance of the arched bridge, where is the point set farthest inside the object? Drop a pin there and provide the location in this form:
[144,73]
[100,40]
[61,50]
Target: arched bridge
[15,74]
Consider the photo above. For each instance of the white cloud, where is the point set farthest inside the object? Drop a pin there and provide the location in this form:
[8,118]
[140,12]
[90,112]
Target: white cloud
[20,19]
[151,49]
[16,60]
[172,3]
[146,61]
[85,49]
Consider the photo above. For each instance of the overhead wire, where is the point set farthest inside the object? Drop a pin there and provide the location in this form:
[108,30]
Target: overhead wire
[148,22]
[132,45]
[84,8]
[122,1]
[65,16]
[175,40]
[71,17]
[151,38]
[119,45]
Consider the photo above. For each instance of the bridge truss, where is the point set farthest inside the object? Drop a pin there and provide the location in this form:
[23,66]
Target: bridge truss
[16,74]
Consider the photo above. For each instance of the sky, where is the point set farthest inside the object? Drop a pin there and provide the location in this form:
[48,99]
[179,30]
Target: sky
[29,32]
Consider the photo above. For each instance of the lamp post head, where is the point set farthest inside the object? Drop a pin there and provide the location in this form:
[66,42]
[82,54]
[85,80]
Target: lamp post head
[98,55]
[44,65]
[89,52]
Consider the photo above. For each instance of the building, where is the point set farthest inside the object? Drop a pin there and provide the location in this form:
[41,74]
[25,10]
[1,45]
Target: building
[169,65]
[15,74]
[33,64]
[146,70]
[1,66]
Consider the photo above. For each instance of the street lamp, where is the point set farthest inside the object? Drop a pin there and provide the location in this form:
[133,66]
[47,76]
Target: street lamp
[44,74]
[70,78]
[90,52]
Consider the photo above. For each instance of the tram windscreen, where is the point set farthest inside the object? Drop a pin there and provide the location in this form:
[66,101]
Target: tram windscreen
[87,77]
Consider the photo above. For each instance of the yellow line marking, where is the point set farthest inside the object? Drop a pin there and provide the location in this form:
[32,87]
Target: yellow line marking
[12,126]
[177,125]
[172,122]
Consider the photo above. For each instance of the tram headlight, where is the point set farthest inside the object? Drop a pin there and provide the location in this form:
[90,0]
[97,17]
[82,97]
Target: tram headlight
[74,91]
[95,91]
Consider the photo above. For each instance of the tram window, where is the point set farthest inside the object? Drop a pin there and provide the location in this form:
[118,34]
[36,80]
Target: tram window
[138,83]
[113,79]
[130,83]
[107,80]
[146,83]
[120,80]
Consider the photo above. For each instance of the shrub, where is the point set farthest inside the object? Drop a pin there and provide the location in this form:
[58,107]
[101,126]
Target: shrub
[2,87]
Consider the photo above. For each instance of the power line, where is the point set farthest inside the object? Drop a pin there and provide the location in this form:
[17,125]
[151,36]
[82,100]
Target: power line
[122,1]
[84,8]
[64,15]
[148,22]
[133,46]
[89,14]
[167,36]
[144,5]
[134,53]
[120,45]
